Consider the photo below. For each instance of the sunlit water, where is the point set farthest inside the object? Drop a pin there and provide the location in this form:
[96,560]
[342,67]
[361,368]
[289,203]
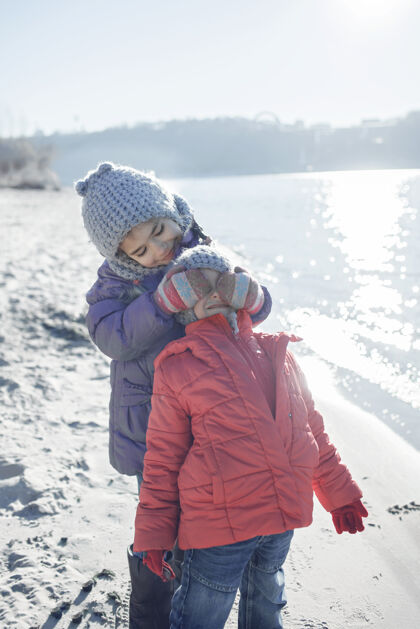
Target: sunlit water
[340,254]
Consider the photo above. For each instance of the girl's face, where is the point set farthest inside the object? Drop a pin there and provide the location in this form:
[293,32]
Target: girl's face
[212,303]
[152,243]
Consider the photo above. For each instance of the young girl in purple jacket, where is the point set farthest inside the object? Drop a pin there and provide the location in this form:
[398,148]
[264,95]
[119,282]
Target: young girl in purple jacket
[139,227]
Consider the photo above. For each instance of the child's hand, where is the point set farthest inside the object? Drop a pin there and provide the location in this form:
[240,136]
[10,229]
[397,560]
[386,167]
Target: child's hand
[240,290]
[349,517]
[154,560]
[180,289]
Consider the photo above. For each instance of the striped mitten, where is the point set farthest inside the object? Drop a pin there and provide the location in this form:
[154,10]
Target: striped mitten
[241,291]
[180,289]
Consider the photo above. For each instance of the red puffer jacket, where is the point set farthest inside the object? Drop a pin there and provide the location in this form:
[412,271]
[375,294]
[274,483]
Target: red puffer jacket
[219,468]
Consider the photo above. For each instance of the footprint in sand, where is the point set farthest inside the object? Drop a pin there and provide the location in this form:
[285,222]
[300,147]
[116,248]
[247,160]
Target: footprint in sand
[16,560]
[8,470]
[10,385]
[306,623]
[19,491]
[14,488]
[20,498]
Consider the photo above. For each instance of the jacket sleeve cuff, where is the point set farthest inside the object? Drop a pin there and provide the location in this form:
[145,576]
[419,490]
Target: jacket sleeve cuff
[162,313]
[334,498]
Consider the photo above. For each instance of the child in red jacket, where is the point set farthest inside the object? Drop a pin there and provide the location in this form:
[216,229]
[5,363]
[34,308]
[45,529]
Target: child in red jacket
[235,450]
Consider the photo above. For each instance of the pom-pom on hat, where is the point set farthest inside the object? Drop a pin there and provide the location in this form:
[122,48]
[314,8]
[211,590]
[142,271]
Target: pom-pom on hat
[115,199]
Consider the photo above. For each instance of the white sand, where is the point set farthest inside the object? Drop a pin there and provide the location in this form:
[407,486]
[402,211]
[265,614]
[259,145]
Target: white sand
[66,515]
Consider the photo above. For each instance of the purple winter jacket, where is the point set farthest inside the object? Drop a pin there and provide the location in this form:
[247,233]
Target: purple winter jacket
[125,324]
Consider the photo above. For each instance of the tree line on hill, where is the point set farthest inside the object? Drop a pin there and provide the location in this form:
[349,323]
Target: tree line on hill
[235,146]
[22,165]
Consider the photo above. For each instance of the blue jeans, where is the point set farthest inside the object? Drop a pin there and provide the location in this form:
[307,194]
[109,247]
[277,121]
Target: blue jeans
[211,577]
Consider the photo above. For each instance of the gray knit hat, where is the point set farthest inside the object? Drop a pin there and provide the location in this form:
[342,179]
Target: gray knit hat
[115,199]
[202,257]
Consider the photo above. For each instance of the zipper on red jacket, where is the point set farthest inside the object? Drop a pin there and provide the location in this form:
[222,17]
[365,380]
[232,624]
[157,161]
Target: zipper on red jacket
[239,341]
[246,351]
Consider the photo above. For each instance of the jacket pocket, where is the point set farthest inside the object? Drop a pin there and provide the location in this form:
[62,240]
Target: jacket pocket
[219,497]
[198,481]
[305,451]
[133,394]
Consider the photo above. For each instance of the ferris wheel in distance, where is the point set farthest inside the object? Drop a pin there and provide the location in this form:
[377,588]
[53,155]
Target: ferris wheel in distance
[268,117]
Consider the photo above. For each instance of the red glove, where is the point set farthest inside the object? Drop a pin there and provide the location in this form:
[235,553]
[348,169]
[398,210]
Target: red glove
[153,559]
[349,517]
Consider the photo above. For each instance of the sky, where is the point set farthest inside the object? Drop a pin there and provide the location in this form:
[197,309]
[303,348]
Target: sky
[92,64]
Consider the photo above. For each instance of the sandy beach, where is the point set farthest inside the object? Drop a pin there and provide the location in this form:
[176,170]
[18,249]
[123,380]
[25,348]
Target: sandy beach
[67,516]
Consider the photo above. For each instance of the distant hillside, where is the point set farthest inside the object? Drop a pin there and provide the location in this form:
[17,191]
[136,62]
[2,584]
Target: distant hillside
[24,166]
[236,146]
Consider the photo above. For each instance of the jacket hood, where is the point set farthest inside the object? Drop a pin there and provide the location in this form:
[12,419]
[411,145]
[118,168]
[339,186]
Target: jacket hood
[217,324]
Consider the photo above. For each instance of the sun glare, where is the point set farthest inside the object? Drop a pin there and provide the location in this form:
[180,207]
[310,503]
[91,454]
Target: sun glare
[374,9]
